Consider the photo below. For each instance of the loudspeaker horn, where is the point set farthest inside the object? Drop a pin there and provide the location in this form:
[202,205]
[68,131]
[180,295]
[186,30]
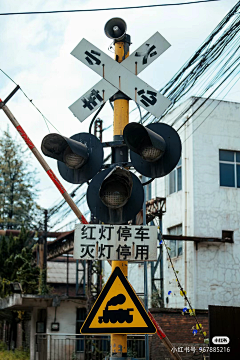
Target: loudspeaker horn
[115,28]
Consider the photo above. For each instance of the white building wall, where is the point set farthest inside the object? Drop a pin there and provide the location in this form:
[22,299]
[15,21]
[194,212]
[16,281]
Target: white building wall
[66,315]
[210,274]
[179,210]
[216,208]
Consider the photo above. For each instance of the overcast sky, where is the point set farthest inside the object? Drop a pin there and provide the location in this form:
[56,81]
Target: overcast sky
[35,52]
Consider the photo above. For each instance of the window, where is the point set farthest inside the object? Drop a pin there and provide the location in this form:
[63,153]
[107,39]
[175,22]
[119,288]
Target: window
[81,316]
[227,235]
[229,162]
[175,178]
[176,246]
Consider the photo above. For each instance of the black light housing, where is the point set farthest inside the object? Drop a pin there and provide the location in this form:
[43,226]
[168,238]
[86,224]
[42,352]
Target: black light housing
[79,157]
[115,195]
[154,150]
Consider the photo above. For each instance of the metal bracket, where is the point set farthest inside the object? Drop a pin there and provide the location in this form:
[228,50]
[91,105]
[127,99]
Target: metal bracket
[122,164]
[2,103]
[127,39]
[119,96]
[115,143]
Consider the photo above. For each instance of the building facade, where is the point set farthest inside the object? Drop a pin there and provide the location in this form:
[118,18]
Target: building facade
[203,200]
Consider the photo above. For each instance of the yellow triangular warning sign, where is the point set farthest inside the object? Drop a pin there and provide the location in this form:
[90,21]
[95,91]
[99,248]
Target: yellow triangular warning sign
[118,310]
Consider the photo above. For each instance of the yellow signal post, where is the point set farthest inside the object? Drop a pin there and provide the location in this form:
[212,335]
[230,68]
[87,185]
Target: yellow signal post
[121,119]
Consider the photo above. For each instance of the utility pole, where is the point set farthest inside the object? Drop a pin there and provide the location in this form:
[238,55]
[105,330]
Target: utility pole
[43,256]
[45,244]
[121,119]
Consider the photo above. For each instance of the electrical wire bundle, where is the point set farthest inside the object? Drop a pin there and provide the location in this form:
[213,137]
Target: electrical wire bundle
[211,64]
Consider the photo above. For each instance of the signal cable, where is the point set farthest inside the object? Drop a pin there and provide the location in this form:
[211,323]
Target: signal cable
[92,121]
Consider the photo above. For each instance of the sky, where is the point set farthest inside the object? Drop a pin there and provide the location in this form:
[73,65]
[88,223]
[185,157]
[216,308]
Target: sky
[35,53]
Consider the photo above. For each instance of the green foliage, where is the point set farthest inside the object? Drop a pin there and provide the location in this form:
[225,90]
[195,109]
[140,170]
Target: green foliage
[16,355]
[131,353]
[43,288]
[3,346]
[16,264]
[74,356]
[18,205]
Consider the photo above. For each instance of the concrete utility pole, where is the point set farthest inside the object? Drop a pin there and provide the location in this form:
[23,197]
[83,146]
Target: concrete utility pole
[43,253]
[121,119]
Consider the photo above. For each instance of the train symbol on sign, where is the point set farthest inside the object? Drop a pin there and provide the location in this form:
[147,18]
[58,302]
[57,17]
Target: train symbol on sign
[119,315]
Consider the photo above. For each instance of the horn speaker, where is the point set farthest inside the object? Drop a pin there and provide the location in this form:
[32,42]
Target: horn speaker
[115,29]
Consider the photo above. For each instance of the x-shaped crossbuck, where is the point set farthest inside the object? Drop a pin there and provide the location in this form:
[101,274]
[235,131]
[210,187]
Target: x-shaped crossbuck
[120,76]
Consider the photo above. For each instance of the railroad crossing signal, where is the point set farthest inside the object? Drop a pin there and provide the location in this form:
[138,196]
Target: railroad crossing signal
[120,76]
[115,195]
[118,310]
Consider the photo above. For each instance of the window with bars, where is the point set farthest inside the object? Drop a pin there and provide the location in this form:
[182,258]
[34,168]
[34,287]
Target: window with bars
[176,246]
[229,168]
[175,178]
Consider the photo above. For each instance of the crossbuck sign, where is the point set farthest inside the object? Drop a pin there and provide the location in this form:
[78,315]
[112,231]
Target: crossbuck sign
[120,76]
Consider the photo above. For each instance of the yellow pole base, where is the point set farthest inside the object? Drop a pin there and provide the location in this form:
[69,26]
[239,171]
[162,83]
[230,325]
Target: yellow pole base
[118,344]
[119,341]
[121,116]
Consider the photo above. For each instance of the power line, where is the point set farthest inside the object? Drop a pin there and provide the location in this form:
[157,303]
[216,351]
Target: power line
[106,9]
[30,100]
[208,96]
[209,51]
[219,102]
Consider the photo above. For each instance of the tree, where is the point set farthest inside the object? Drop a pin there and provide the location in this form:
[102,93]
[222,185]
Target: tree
[18,195]
[17,264]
